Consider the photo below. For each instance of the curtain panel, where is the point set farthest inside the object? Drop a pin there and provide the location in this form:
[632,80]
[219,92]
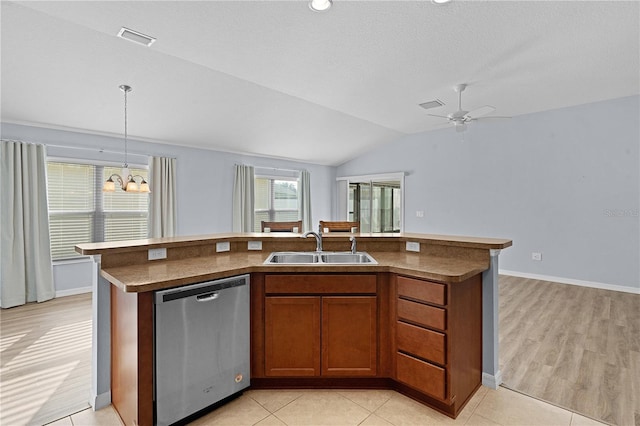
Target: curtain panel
[243,201]
[304,200]
[162,200]
[26,273]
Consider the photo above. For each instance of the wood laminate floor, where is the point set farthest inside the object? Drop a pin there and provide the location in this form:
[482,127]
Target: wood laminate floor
[576,347]
[45,359]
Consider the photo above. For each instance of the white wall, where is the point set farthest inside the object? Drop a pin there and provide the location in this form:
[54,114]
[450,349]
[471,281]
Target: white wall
[204,182]
[564,183]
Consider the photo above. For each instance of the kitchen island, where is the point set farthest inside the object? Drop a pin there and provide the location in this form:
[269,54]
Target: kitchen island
[423,322]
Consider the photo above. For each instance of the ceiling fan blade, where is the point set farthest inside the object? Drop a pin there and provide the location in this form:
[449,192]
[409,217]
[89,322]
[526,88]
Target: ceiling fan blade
[490,116]
[479,112]
[439,116]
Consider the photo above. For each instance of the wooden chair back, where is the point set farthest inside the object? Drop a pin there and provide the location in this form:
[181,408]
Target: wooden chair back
[327,226]
[281,226]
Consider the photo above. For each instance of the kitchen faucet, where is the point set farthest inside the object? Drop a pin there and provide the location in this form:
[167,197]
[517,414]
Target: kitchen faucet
[353,244]
[318,239]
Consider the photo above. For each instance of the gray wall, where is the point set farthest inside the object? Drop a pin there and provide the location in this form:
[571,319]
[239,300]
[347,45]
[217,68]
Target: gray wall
[564,183]
[204,181]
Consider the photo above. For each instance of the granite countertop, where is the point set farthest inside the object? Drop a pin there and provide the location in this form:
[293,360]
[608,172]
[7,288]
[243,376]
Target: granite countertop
[164,274]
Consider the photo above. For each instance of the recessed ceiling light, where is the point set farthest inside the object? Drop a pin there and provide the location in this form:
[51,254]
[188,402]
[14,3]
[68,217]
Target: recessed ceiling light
[320,5]
[136,37]
[440,1]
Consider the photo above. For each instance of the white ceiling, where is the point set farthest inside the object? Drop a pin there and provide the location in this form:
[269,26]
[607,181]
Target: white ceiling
[274,78]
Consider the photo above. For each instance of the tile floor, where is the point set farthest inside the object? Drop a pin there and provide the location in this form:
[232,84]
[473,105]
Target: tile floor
[362,407]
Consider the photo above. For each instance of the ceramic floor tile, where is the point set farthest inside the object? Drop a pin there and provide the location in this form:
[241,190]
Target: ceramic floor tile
[578,420]
[273,400]
[320,408]
[270,421]
[374,420]
[370,400]
[243,411]
[511,408]
[401,410]
[104,417]
[62,422]
[478,420]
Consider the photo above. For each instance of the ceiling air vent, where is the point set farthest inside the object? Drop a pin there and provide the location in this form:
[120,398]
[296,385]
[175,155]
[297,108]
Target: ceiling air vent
[136,37]
[432,104]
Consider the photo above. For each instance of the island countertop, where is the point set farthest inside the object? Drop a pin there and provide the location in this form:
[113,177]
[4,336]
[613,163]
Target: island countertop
[190,260]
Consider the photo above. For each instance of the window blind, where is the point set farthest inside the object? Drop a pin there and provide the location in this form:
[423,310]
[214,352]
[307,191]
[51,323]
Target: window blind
[79,212]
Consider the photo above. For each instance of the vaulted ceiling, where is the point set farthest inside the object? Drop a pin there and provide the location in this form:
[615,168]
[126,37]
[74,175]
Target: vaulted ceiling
[274,78]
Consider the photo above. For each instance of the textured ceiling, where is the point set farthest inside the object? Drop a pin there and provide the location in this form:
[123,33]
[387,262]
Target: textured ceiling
[273,78]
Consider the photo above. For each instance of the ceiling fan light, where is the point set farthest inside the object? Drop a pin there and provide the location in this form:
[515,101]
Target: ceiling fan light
[320,5]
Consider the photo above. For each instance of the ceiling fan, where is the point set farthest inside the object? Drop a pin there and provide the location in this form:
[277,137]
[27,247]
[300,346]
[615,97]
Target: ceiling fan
[461,117]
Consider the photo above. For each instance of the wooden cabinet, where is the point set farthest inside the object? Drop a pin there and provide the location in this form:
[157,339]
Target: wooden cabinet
[320,325]
[292,336]
[439,339]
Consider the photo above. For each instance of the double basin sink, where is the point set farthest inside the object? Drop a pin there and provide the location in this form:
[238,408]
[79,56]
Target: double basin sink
[319,258]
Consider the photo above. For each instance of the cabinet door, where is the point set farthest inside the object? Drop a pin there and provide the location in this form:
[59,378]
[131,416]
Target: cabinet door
[349,336]
[292,336]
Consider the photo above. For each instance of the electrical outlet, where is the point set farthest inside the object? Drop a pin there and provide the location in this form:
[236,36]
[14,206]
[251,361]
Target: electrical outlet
[254,245]
[157,253]
[223,246]
[536,256]
[420,213]
[413,246]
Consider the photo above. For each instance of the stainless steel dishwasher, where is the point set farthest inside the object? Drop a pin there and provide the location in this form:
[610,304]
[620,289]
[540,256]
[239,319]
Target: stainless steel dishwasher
[201,346]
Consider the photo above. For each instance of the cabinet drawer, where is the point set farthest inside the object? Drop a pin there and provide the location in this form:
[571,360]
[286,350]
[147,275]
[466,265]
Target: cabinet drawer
[426,291]
[428,316]
[320,284]
[421,342]
[421,375]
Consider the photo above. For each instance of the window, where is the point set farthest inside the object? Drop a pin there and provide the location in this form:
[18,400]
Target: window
[79,212]
[276,200]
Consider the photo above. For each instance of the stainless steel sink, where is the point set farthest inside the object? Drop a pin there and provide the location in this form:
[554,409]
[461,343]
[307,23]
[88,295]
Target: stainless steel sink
[340,257]
[292,258]
[319,258]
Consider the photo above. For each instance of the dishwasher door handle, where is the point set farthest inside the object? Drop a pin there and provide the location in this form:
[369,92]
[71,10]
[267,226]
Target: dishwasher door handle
[207,297]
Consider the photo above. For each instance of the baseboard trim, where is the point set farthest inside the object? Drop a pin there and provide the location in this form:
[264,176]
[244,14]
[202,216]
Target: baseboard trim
[571,281]
[73,291]
[492,381]
[100,401]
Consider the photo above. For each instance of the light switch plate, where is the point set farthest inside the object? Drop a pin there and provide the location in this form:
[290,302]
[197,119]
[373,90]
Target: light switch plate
[413,246]
[536,256]
[254,245]
[223,246]
[157,253]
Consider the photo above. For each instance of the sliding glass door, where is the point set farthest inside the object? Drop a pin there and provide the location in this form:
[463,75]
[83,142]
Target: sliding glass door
[375,201]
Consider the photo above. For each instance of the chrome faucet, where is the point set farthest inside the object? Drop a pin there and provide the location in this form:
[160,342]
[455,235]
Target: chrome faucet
[353,244]
[318,239]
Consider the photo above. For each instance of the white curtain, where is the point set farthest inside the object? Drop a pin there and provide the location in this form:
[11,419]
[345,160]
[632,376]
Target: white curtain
[162,203]
[243,182]
[304,200]
[26,274]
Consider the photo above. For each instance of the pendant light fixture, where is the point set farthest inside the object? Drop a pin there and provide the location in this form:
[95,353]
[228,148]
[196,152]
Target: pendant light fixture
[128,185]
